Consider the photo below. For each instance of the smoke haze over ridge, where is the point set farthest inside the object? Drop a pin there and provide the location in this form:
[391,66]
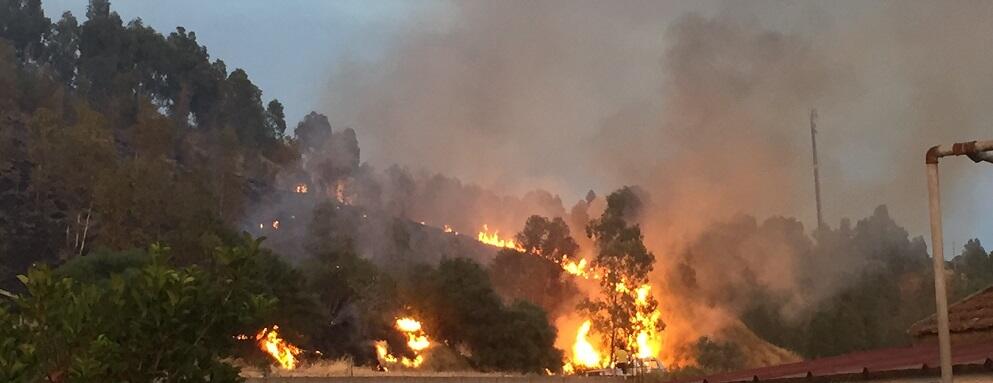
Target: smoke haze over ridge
[703,105]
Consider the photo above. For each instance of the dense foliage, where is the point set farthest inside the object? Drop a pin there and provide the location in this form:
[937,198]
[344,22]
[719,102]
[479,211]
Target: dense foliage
[357,298]
[460,303]
[535,274]
[116,136]
[112,137]
[146,323]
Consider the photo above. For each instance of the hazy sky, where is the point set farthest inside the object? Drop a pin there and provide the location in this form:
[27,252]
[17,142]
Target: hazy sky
[896,77]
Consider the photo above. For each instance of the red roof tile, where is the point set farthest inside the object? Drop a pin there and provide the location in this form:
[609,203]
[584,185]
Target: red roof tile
[974,313]
[884,360]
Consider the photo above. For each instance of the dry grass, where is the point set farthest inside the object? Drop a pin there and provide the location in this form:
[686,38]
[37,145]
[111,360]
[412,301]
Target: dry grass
[344,367]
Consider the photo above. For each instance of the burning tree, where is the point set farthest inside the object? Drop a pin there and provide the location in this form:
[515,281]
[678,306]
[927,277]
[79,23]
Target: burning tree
[624,263]
[548,238]
[536,274]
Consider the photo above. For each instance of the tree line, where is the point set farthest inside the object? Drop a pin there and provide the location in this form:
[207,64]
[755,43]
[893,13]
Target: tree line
[116,136]
[129,159]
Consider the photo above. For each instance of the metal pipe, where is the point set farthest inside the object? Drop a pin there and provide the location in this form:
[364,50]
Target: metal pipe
[971,149]
[981,156]
[938,258]
[977,151]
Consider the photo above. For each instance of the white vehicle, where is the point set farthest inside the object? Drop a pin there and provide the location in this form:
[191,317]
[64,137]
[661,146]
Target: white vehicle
[641,366]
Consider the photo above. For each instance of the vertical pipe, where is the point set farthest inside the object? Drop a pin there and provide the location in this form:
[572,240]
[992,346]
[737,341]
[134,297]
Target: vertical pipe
[941,297]
[817,178]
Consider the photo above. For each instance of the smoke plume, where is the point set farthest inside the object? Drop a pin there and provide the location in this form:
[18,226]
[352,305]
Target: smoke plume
[705,106]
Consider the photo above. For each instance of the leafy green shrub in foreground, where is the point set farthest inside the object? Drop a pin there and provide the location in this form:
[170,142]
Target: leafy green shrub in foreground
[153,323]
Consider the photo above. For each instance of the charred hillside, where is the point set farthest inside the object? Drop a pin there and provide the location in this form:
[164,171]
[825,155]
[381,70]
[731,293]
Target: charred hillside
[389,241]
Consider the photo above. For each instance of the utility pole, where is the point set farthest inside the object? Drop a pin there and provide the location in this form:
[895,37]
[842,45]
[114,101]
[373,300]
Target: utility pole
[817,176]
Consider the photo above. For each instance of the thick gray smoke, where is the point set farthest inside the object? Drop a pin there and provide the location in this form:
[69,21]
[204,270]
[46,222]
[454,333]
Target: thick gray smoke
[704,105]
[694,98]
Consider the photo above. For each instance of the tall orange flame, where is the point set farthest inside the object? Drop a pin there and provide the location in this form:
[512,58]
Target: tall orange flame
[281,351]
[583,352]
[649,339]
[417,341]
[647,342]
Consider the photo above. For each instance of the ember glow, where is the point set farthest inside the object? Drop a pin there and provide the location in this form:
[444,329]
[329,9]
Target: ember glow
[417,341]
[281,351]
[493,239]
[339,193]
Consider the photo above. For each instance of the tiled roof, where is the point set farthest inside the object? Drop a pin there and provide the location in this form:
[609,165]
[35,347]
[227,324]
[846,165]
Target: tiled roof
[974,313]
[918,360]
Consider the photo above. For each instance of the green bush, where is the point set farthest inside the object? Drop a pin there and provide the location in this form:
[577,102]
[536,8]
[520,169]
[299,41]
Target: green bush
[153,323]
[101,265]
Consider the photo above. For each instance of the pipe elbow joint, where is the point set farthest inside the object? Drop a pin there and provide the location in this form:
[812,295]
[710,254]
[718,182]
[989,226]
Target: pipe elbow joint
[932,155]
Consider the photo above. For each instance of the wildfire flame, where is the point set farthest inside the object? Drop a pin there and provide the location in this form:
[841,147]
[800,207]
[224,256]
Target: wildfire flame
[493,239]
[448,229]
[646,343]
[649,338]
[583,352]
[382,350]
[575,268]
[417,341]
[301,188]
[281,351]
